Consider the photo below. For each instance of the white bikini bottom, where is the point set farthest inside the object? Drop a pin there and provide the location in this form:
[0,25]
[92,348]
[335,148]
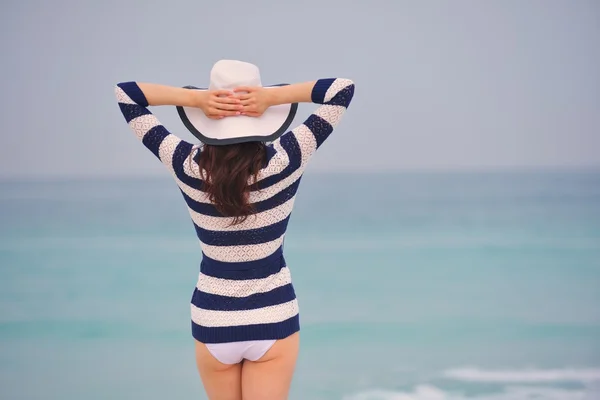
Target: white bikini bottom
[235,352]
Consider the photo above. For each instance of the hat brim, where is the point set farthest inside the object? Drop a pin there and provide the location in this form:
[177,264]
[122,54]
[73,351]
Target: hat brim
[238,129]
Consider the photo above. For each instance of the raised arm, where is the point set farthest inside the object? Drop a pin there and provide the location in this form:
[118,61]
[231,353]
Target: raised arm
[134,99]
[134,103]
[335,96]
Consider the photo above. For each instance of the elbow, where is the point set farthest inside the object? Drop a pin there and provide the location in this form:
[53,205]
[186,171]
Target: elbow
[346,92]
[345,82]
[121,94]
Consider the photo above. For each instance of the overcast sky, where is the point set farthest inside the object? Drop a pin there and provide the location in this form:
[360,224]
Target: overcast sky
[439,84]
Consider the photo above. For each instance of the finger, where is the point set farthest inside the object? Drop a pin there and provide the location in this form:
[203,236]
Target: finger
[226,100]
[222,93]
[223,113]
[224,106]
[249,107]
[250,110]
[244,96]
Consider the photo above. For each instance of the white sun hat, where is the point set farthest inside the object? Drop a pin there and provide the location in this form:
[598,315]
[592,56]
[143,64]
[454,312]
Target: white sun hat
[227,75]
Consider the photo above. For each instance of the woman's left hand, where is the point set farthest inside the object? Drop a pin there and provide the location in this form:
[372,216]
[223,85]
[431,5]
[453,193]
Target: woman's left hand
[218,104]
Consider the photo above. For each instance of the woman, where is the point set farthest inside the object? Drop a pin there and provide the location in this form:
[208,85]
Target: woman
[240,192]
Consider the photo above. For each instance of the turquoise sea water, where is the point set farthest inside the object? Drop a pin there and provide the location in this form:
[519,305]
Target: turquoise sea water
[414,286]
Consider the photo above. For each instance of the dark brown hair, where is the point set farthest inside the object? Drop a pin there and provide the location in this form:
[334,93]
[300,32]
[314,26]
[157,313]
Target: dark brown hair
[229,173]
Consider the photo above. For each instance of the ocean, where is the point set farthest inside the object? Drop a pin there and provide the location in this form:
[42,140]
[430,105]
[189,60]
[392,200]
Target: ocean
[412,286]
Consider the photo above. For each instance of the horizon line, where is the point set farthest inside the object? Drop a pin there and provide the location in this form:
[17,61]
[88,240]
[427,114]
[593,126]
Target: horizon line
[415,170]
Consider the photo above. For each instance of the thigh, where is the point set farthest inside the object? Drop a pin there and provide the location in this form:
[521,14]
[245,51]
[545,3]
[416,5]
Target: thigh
[220,381]
[270,377]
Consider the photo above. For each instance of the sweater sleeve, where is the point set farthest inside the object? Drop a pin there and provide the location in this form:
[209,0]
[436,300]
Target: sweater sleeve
[302,142]
[168,148]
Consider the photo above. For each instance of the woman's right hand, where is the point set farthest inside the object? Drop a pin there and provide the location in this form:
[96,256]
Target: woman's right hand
[254,100]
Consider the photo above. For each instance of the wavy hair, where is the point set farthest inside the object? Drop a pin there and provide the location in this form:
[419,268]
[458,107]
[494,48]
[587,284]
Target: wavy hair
[229,173]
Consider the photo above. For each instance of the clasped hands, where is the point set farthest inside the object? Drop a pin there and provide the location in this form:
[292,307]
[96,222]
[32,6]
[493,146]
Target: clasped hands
[249,101]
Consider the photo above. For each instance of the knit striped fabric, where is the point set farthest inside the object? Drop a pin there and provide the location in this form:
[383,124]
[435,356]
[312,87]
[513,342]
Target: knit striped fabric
[244,290]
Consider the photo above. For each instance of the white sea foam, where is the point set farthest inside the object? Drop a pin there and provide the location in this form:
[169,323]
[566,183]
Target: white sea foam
[588,378]
[472,374]
[422,392]
[426,392]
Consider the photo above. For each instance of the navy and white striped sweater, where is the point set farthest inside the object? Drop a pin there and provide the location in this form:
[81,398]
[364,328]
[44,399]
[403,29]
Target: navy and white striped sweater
[244,290]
